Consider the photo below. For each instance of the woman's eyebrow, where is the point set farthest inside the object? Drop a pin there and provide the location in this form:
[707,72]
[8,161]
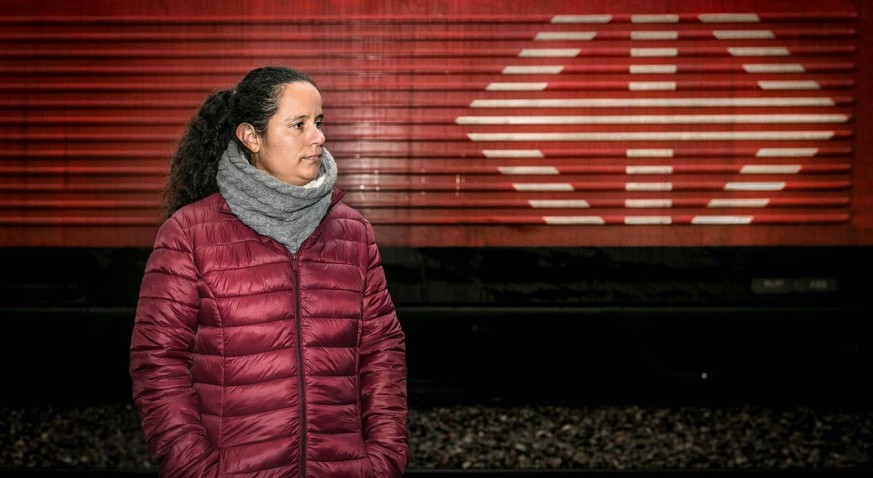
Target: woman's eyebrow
[304,116]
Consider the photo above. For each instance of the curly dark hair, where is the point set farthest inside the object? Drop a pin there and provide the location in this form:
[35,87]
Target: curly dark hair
[194,164]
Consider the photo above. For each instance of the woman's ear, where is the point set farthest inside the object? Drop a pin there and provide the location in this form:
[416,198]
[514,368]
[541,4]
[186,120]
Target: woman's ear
[249,137]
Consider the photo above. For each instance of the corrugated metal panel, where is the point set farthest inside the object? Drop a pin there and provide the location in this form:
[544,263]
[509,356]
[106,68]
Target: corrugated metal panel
[561,125]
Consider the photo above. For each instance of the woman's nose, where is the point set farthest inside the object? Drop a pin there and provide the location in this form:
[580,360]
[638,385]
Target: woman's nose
[318,136]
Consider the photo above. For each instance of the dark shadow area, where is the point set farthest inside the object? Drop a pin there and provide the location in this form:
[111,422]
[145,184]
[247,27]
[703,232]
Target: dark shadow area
[623,325]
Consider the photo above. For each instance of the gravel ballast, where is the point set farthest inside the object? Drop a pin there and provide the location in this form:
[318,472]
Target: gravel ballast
[504,437]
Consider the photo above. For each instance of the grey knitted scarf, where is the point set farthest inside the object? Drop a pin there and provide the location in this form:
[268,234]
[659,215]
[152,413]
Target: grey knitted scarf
[286,213]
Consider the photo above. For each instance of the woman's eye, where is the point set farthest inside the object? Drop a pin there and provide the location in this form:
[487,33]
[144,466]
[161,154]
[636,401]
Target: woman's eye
[299,125]
[318,124]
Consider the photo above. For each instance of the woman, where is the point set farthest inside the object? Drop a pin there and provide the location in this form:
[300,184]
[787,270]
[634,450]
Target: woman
[265,340]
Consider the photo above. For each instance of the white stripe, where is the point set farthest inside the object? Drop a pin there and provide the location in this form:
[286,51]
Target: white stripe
[649,153]
[582,19]
[653,119]
[770,169]
[646,220]
[715,220]
[743,34]
[550,52]
[786,152]
[648,186]
[665,35]
[648,203]
[739,186]
[542,186]
[567,220]
[533,70]
[738,203]
[652,69]
[759,51]
[789,85]
[649,52]
[728,18]
[565,36]
[513,153]
[559,203]
[517,86]
[659,136]
[511,170]
[774,68]
[650,102]
[651,85]
[654,18]
[648,170]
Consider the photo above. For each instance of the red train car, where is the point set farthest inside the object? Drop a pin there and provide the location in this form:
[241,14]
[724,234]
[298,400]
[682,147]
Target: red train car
[511,123]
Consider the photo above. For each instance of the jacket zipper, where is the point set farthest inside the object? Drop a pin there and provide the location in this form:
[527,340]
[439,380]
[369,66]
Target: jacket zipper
[295,266]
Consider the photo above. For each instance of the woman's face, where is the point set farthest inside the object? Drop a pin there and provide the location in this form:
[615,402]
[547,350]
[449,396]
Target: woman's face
[291,148]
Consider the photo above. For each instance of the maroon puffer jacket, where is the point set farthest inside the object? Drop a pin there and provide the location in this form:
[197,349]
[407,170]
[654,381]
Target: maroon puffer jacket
[248,360]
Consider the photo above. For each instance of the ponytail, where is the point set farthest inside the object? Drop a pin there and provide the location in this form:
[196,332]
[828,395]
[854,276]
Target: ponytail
[195,161]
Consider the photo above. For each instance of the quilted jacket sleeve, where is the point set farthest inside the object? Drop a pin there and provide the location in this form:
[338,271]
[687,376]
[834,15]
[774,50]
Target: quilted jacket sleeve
[383,373]
[161,357]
